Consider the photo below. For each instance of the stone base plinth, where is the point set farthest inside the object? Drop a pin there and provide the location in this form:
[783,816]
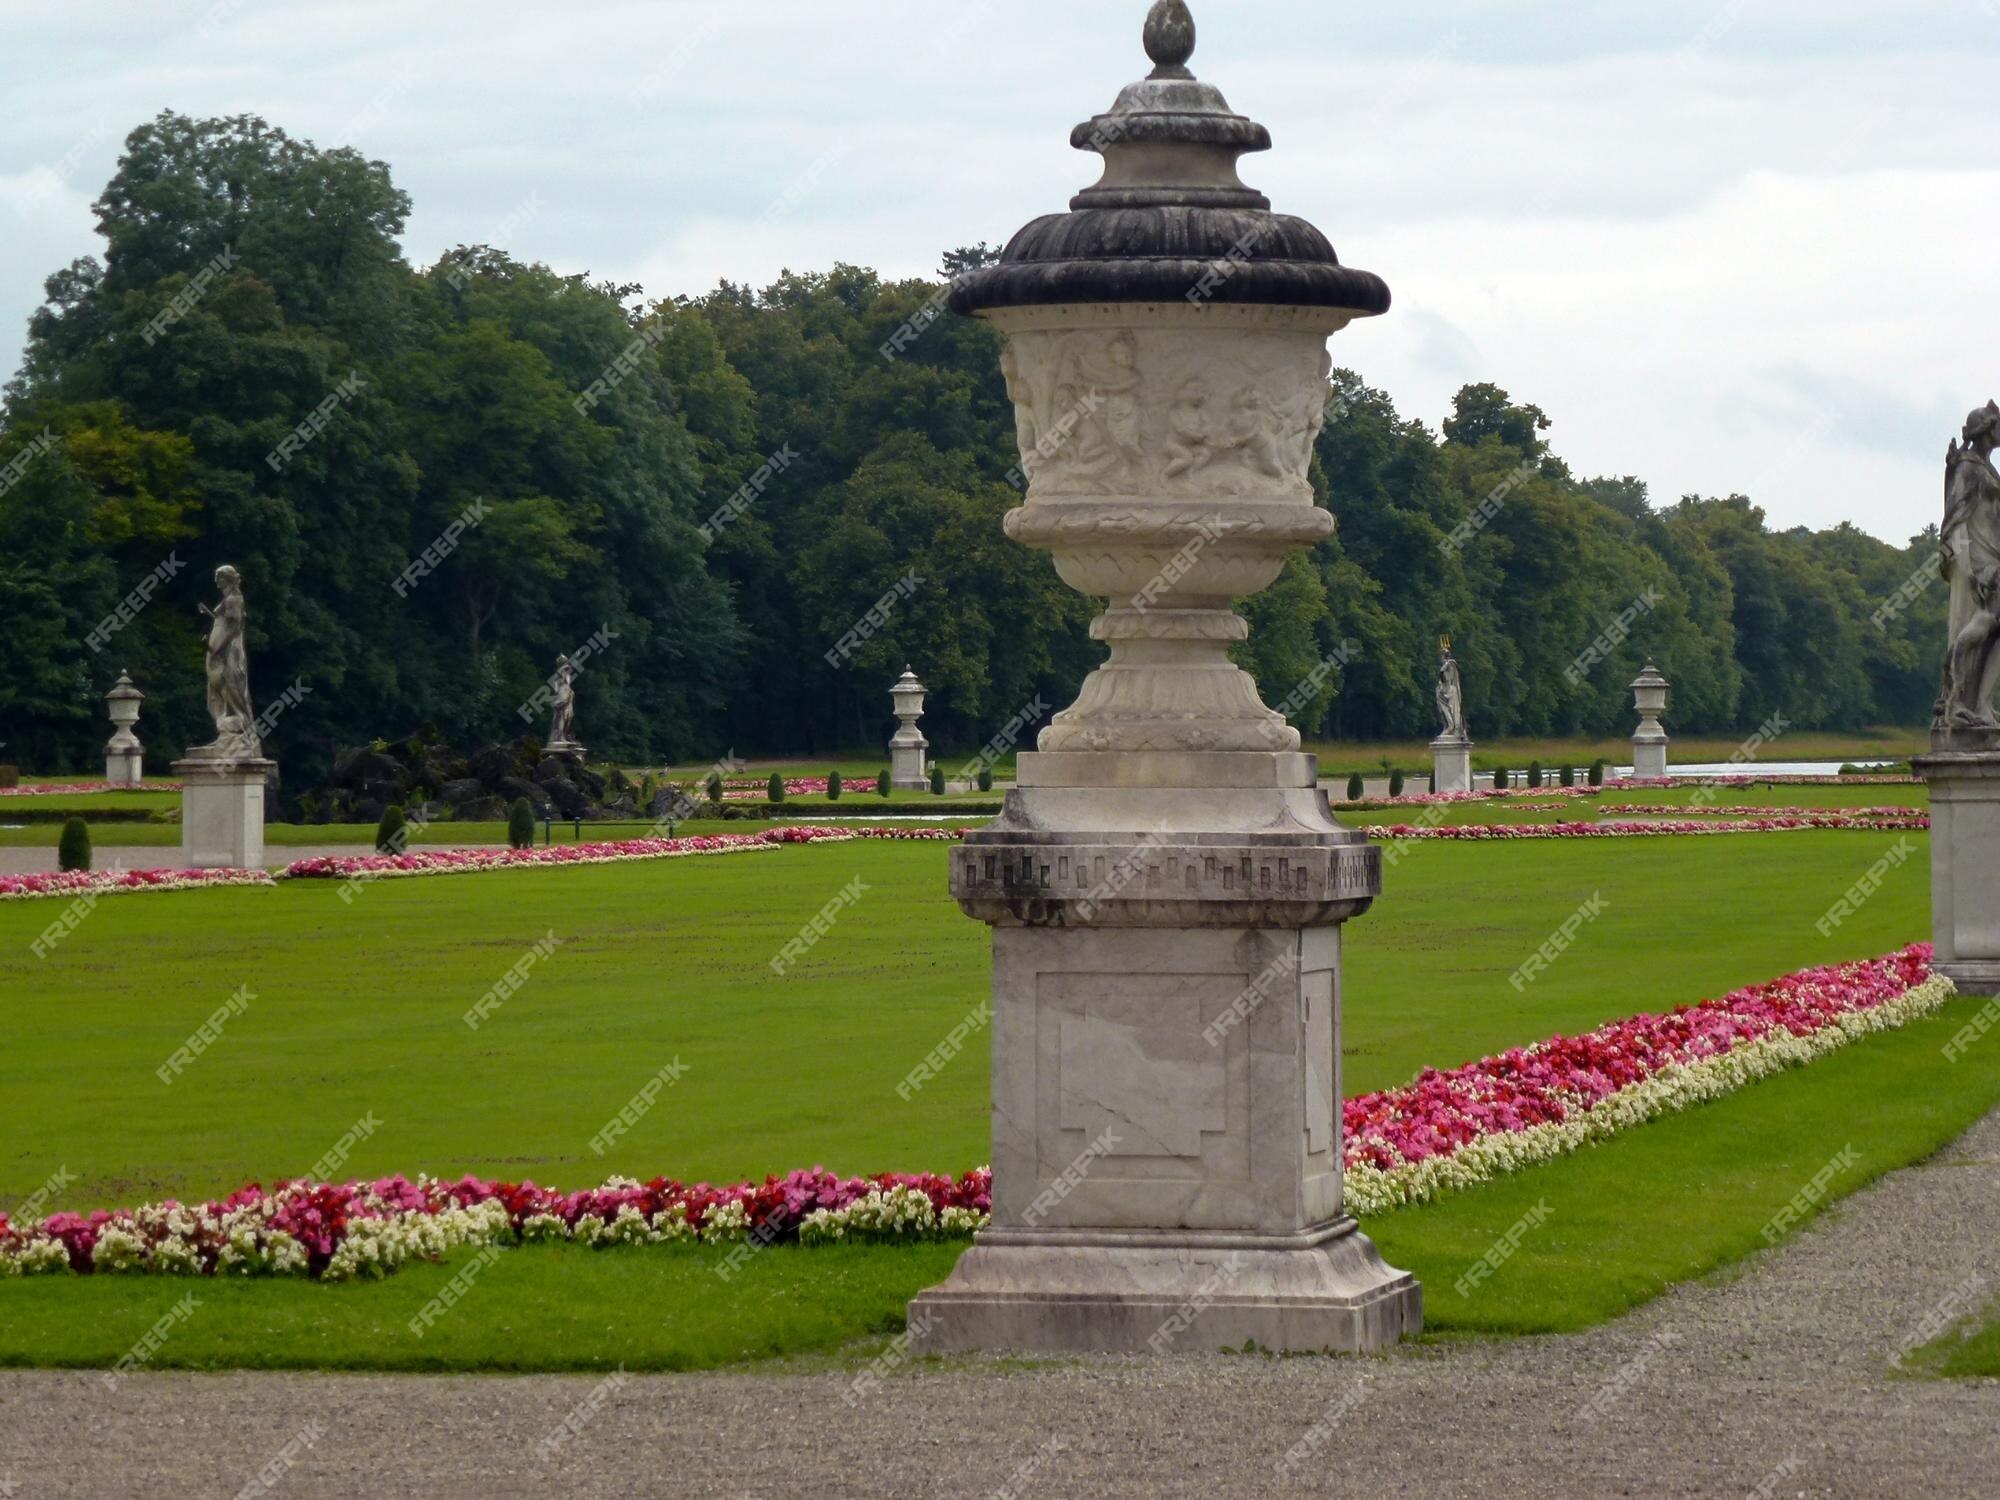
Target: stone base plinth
[1451,765]
[907,770]
[125,767]
[1649,759]
[222,813]
[1965,866]
[1147,1293]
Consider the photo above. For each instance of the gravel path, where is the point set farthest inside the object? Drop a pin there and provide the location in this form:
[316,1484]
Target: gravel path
[1772,1382]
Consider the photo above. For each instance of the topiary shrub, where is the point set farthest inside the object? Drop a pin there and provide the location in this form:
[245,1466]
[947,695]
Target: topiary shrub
[937,780]
[1502,779]
[10,776]
[985,778]
[1567,775]
[73,852]
[1597,773]
[775,788]
[520,825]
[834,786]
[1535,774]
[1396,783]
[1355,790]
[714,785]
[881,783]
[389,834]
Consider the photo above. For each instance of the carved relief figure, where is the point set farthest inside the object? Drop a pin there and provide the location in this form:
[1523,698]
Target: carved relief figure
[1026,431]
[1190,431]
[1253,433]
[228,669]
[1103,391]
[1970,544]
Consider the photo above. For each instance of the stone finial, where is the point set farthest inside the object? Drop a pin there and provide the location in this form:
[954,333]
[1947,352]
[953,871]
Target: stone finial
[1170,38]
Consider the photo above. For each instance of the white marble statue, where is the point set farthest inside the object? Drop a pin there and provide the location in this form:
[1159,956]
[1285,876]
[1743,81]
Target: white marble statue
[562,690]
[1970,544]
[1450,697]
[228,668]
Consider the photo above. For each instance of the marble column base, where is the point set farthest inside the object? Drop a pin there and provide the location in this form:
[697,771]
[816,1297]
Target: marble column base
[125,767]
[222,813]
[1451,765]
[1965,866]
[1649,759]
[1323,1291]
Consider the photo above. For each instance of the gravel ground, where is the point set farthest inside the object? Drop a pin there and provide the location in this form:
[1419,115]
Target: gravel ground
[1775,1381]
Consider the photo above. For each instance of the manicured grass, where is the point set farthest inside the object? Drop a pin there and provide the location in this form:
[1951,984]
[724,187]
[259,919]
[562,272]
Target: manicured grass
[537,1307]
[359,1008]
[1681,1197]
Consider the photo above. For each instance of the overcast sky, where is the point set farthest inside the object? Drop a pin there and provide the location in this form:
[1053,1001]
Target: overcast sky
[1728,245]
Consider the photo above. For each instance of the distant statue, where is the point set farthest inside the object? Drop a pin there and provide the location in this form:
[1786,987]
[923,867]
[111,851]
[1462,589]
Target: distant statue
[229,676]
[1970,547]
[562,691]
[1450,696]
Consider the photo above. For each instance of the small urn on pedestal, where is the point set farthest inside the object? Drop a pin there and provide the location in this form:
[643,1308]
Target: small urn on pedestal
[909,770]
[1963,768]
[1166,884]
[1649,742]
[124,756]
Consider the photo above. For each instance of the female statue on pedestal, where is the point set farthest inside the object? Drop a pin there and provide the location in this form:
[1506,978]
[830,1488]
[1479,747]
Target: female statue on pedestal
[1970,544]
[562,689]
[1450,696]
[228,667]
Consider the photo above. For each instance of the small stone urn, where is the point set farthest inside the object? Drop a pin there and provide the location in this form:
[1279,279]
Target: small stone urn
[1649,743]
[124,756]
[1167,884]
[909,771]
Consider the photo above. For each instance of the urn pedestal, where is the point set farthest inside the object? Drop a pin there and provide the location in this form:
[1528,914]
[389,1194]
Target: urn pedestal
[1649,743]
[124,756]
[222,812]
[1166,1065]
[1451,765]
[1965,865]
[909,765]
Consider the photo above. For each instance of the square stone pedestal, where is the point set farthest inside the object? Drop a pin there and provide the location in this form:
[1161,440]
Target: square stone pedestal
[907,769]
[1965,866]
[1451,765]
[1166,1066]
[1649,758]
[222,813]
[125,767]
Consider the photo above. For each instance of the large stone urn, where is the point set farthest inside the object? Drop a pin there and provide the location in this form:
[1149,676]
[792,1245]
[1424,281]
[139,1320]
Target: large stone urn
[1649,741]
[124,756]
[1166,883]
[909,770]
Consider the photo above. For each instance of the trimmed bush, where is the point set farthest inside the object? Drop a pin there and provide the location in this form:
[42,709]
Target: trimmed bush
[937,779]
[389,834]
[521,825]
[1535,774]
[73,852]
[985,778]
[1501,779]
[714,786]
[881,783]
[1597,773]
[10,776]
[1567,775]
[1396,783]
[1355,790]
[775,788]
[834,786]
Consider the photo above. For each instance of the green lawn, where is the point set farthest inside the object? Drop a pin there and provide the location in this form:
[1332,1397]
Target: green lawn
[1969,1350]
[359,1010]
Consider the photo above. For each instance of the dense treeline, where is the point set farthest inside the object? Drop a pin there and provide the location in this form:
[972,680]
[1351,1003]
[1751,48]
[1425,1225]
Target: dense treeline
[724,486]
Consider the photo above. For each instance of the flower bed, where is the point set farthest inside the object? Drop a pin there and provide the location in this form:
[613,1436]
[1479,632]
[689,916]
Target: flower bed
[1894,810]
[115,882]
[340,1230]
[470,861]
[84,788]
[1666,828]
[795,786]
[1455,1129]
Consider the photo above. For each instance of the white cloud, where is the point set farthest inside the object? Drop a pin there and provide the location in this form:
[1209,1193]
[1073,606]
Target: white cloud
[1685,258]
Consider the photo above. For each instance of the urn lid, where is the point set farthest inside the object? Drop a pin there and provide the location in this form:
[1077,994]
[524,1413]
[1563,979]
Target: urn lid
[907,683]
[1170,220]
[123,689]
[1650,678]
